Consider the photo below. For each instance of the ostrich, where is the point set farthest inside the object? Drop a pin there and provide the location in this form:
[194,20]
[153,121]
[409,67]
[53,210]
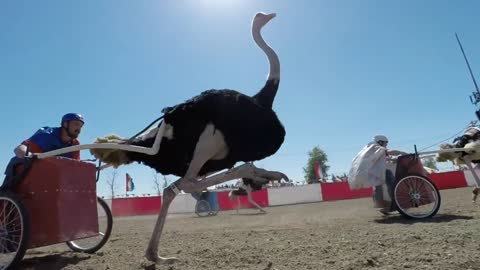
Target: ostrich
[207,134]
[470,140]
[247,185]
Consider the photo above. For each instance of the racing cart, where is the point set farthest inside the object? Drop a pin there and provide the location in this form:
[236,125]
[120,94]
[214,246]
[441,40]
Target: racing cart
[414,195]
[50,201]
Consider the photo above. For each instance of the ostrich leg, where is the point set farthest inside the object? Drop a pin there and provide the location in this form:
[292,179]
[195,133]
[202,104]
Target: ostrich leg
[238,204]
[475,190]
[209,144]
[250,200]
[152,251]
[245,170]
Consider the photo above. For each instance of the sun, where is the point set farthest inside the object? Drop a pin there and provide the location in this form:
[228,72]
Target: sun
[220,4]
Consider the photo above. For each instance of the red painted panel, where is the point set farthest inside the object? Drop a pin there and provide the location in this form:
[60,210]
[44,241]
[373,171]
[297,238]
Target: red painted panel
[224,202]
[61,200]
[341,191]
[136,206]
[446,180]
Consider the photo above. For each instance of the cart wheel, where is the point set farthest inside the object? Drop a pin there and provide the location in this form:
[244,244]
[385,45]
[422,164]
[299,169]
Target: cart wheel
[202,208]
[416,197]
[93,244]
[14,230]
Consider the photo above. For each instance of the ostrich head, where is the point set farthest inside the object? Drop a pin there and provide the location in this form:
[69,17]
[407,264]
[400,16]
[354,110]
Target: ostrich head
[261,19]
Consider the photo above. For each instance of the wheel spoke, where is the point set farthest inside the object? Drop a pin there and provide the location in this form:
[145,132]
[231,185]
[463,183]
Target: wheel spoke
[418,184]
[17,218]
[3,213]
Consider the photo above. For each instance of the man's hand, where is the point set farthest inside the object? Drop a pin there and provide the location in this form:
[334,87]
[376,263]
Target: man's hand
[20,151]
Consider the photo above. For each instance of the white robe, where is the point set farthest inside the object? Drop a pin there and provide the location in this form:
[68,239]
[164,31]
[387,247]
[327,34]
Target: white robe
[368,167]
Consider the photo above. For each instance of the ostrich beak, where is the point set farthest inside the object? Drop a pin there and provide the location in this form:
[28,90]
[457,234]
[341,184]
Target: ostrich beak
[271,16]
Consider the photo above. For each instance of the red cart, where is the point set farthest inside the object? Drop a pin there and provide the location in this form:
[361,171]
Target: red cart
[55,201]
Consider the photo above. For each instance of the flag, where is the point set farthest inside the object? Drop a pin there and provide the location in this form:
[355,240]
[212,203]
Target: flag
[318,171]
[129,183]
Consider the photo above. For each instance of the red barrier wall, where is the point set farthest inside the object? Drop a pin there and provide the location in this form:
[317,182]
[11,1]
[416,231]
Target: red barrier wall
[136,206]
[341,191]
[329,191]
[447,180]
[224,202]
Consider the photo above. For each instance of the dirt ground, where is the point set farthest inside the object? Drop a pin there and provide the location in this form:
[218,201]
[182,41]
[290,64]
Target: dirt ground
[328,235]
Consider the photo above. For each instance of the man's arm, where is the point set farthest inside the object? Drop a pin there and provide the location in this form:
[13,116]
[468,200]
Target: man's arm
[36,143]
[21,150]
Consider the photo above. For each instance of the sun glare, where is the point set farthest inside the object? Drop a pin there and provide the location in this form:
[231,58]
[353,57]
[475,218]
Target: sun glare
[220,4]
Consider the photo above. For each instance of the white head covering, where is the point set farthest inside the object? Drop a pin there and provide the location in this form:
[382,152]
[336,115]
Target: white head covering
[379,138]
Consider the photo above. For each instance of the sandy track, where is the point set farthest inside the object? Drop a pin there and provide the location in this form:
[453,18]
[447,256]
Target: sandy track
[328,235]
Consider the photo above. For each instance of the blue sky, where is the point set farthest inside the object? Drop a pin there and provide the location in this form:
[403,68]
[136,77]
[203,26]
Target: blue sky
[349,69]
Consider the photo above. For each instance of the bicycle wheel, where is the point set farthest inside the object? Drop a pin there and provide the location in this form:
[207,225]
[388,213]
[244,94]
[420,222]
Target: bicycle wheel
[202,208]
[14,230]
[416,197]
[105,223]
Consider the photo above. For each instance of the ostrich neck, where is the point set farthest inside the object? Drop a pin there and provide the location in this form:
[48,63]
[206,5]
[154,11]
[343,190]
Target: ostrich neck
[274,73]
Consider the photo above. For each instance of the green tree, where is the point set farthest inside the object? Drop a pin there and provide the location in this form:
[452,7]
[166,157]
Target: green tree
[316,154]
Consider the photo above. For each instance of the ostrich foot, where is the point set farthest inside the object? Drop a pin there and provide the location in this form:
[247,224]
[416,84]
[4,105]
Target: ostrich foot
[153,257]
[475,194]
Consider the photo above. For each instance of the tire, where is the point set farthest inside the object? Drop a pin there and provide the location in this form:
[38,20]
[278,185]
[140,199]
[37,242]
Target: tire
[78,246]
[413,192]
[15,225]
[202,208]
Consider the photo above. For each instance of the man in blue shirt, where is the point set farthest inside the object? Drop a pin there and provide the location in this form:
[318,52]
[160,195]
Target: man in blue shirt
[47,139]
[52,138]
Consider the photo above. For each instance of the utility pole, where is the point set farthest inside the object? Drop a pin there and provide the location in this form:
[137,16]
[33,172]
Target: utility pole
[475,97]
